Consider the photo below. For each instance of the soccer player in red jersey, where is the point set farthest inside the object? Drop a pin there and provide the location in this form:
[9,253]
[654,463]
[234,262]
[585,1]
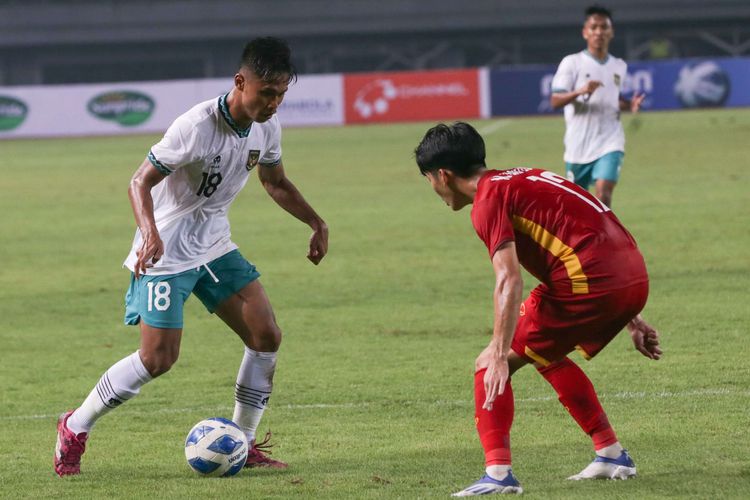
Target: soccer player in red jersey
[593,284]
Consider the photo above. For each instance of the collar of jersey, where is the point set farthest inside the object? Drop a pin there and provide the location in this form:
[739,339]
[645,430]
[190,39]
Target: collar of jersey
[600,61]
[224,110]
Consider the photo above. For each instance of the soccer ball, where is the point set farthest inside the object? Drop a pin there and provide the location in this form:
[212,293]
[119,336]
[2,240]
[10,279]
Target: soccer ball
[216,447]
[701,85]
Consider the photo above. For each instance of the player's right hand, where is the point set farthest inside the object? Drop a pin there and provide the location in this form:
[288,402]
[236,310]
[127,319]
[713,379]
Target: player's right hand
[645,338]
[152,248]
[590,87]
[495,378]
[635,102]
[318,243]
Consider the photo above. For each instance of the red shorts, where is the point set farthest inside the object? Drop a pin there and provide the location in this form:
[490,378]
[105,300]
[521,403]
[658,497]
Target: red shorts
[550,326]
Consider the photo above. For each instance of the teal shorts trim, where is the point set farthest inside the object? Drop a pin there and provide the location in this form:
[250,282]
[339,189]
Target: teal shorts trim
[607,168]
[159,300]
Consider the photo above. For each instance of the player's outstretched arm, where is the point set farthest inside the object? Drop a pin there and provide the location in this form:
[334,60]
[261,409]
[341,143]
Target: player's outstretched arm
[286,195]
[139,192]
[559,99]
[507,300]
[645,338]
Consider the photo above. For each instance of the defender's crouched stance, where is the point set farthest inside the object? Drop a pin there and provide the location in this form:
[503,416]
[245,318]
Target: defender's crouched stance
[593,284]
[180,197]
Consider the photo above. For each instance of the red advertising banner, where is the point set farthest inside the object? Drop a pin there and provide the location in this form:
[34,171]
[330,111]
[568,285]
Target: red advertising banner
[411,96]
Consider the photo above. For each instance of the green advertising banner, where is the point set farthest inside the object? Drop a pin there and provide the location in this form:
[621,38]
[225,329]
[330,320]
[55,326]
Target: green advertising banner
[127,108]
[12,112]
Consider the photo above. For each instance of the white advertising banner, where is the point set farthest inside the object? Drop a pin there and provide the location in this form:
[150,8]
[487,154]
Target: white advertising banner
[147,107]
[314,100]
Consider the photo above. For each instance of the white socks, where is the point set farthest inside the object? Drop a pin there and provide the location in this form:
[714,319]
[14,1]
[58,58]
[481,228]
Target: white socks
[611,451]
[125,378]
[118,384]
[253,388]
[497,472]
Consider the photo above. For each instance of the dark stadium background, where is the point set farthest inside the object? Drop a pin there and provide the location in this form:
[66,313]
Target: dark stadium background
[85,41]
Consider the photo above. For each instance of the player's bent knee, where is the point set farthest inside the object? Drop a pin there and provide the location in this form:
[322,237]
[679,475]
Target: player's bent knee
[158,363]
[268,338]
[156,369]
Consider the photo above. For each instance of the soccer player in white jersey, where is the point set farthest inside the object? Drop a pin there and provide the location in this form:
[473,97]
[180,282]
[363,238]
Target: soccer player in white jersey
[180,197]
[588,85]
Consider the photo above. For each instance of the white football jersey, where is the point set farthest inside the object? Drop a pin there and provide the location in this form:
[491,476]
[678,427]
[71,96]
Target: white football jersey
[207,159]
[592,123]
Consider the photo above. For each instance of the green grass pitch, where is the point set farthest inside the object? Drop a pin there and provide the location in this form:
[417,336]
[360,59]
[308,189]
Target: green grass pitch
[373,392]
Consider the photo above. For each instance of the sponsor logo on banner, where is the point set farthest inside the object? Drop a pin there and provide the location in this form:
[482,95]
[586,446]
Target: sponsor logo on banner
[12,112]
[701,85]
[314,100]
[127,108]
[425,95]
[307,106]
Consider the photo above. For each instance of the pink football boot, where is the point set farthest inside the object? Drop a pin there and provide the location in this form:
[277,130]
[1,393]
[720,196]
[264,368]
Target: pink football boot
[257,455]
[69,448]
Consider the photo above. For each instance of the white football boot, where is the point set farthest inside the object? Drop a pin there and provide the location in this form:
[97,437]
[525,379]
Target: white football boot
[621,467]
[488,486]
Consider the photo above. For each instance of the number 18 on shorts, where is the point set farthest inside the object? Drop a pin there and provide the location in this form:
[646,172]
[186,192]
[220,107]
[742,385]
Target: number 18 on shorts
[156,300]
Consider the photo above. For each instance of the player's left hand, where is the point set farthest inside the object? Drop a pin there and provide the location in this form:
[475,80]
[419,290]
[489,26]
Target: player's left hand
[645,338]
[318,243]
[635,102]
[495,379]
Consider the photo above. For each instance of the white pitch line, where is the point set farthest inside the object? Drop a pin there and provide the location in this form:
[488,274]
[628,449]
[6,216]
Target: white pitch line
[494,127]
[365,404]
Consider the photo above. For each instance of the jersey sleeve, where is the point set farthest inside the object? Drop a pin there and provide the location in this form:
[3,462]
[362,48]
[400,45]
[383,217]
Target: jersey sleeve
[565,77]
[272,150]
[492,224]
[180,146]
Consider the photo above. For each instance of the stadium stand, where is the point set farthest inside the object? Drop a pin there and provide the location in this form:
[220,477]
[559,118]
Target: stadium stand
[77,41]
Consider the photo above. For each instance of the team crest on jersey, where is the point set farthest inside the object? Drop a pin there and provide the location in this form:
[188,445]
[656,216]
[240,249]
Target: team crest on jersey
[252,159]
[617,80]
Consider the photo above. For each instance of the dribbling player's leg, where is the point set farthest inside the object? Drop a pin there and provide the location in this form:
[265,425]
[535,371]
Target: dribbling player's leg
[123,380]
[249,314]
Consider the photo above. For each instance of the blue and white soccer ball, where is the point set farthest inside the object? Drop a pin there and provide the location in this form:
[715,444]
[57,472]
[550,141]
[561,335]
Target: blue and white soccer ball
[702,85]
[216,447]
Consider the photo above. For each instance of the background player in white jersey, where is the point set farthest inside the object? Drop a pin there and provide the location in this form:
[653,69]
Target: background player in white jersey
[180,197]
[588,85]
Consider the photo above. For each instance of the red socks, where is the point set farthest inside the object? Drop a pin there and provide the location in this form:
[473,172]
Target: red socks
[576,393]
[494,425]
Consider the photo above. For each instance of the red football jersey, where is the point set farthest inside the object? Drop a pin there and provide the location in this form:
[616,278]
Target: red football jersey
[564,236]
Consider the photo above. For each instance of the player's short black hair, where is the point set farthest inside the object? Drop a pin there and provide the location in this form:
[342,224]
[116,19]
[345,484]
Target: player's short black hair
[270,59]
[458,148]
[597,10]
